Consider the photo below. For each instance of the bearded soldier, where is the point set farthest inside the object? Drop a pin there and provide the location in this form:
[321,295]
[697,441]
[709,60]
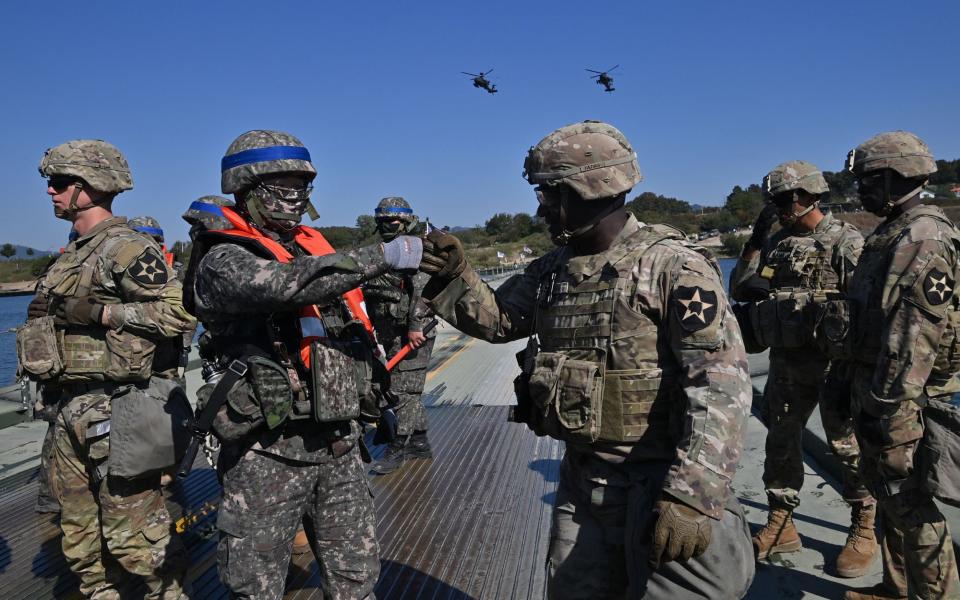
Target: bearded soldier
[289,362]
[904,336]
[635,361]
[399,316]
[782,279]
[102,338]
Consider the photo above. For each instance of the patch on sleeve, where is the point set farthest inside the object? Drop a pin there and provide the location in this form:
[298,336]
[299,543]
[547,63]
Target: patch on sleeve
[937,287]
[696,307]
[149,269]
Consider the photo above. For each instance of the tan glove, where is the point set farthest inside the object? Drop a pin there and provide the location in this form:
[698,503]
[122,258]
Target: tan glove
[443,255]
[680,533]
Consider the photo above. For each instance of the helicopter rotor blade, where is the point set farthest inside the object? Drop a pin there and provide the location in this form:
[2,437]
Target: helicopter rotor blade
[488,72]
[594,77]
[470,74]
[614,67]
[592,71]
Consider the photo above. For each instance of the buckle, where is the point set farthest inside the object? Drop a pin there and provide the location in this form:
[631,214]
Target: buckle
[238,367]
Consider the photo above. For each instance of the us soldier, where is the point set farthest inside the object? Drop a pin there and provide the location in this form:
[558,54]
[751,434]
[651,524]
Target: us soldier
[399,316]
[105,322]
[640,370]
[150,226]
[281,306]
[782,279]
[904,332]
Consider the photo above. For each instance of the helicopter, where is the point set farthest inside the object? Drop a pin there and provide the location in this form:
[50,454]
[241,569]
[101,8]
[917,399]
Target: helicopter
[481,81]
[604,79]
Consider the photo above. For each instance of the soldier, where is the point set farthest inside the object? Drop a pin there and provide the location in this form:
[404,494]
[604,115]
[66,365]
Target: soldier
[206,212]
[105,323]
[904,330]
[635,361]
[810,258]
[281,308]
[399,316]
[150,226]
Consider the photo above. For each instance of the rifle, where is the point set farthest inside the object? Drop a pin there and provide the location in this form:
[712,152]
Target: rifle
[199,427]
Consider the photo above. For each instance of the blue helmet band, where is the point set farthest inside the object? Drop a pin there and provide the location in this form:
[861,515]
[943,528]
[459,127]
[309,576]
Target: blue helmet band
[204,207]
[256,155]
[154,231]
[393,209]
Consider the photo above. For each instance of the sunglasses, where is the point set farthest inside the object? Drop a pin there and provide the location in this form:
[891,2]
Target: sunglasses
[290,194]
[61,182]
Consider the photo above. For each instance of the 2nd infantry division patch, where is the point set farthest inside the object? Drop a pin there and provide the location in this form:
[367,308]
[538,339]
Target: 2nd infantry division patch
[696,307]
[937,287]
[148,270]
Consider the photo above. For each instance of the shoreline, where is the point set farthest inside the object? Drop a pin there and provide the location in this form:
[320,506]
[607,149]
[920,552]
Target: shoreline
[18,288]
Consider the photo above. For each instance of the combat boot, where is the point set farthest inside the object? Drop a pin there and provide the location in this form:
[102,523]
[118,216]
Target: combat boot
[419,446]
[875,592]
[779,535]
[301,545]
[861,548]
[394,456]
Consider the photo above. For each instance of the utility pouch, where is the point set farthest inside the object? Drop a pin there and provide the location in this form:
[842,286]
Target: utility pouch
[129,356]
[239,417]
[336,381]
[38,349]
[271,388]
[579,399]
[148,428]
[938,458]
[791,318]
[832,328]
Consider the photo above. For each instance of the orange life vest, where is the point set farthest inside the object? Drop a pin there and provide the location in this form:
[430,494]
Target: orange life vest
[167,256]
[313,242]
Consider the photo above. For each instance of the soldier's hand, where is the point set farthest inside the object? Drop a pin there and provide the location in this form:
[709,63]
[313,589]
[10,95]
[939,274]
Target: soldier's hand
[416,338]
[80,310]
[680,533]
[39,307]
[763,225]
[403,252]
[443,255]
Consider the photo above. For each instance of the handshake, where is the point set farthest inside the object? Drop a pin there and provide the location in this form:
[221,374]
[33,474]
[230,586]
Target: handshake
[438,254]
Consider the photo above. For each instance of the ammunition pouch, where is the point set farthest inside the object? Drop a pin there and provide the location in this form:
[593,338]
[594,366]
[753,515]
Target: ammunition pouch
[262,397]
[782,321]
[341,376]
[148,428]
[750,342]
[832,328]
[38,351]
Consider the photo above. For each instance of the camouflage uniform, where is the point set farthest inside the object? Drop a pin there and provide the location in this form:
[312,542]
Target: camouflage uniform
[278,475]
[904,334]
[641,370]
[114,266]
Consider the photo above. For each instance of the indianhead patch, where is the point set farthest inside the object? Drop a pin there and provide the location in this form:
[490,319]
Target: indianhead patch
[937,287]
[696,307]
[148,270]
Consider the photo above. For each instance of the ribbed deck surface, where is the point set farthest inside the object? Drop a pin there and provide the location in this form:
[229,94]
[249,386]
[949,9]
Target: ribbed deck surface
[472,523]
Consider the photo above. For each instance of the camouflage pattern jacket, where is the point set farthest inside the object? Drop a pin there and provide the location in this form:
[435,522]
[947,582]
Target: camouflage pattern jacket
[396,308]
[906,310]
[123,269]
[244,298]
[680,346]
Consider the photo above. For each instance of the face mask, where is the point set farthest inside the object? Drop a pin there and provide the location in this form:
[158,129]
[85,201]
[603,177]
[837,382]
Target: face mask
[389,230]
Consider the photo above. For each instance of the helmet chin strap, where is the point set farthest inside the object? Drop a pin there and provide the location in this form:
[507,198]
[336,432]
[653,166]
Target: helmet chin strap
[889,202]
[566,236]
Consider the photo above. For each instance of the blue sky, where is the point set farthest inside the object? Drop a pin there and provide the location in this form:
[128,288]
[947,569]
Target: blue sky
[712,94]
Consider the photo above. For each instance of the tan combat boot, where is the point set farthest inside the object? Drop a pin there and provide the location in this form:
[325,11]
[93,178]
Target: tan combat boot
[778,535]
[301,545]
[876,592]
[861,548]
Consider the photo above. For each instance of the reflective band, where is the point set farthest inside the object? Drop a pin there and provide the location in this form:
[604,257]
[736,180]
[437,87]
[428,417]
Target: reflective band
[255,155]
[393,209]
[312,327]
[204,207]
[149,230]
[577,170]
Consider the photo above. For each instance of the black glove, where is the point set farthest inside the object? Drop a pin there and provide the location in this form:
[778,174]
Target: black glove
[443,255]
[39,307]
[81,310]
[763,225]
[680,533]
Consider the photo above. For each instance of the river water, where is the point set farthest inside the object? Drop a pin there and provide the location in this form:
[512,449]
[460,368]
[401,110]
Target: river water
[13,311]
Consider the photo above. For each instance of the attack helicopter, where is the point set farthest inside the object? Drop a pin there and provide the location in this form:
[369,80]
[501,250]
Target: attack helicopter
[481,81]
[604,79]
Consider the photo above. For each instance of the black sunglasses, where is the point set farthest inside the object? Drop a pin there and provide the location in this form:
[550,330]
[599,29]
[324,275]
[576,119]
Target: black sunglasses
[61,182]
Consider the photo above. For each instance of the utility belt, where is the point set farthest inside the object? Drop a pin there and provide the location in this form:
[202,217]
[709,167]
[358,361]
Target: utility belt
[339,387]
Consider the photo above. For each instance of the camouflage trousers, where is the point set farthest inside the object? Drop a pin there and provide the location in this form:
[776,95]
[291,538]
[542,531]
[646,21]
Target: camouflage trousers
[407,382]
[106,520]
[917,550]
[794,387]
[600,540]
[47,501]
[266,497]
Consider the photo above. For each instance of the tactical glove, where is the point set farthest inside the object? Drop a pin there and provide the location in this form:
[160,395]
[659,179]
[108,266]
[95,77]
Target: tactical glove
[39,307]
[81,310]
[443,255]
[763,225]
[404,252]
[680,533]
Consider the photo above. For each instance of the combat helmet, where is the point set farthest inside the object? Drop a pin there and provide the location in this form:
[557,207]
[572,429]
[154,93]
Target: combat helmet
[99,164]
[794,175]
[148,226]
[900,151]
[206,212]
[592,158]
[394,208]
[260,153]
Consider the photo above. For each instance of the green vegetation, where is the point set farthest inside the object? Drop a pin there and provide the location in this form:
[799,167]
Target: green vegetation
[23,270]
